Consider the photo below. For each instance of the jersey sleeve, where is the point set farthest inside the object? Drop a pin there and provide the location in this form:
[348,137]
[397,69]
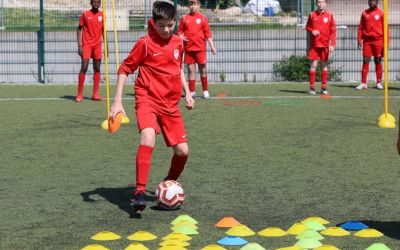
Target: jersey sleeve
[82,19]
[180,27]
[333,32]
[309,27]
[134,59]
[360,29]
[206,28]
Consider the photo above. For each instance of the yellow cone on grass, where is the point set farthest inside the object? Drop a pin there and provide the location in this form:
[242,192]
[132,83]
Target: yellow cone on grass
[327,247]
[142,236]
[177,243]
[94,247]
[272,232]
[335,231]
[105,235]
[136,246]
[177,236]
[213,247]
[240,230]
[315,218]
[368,233]
[296,228]
[184,217]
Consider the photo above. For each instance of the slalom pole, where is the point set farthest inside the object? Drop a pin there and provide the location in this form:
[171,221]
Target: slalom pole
[104,124]
[386,120]
[125,118]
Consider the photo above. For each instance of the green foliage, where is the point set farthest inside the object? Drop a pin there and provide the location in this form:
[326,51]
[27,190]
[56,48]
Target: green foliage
[213,4]
[296,68]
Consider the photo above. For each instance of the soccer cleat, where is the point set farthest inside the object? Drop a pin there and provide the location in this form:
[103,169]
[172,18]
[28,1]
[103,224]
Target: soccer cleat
[379,86]
[362,86]
[139,201]
[206,95]
[324,92]
[97,98]
[79,98]
[311,92]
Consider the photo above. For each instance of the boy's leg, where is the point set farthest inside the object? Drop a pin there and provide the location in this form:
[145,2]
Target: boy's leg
[81,79]
[378,70]
[192,78]
[312,76]
[324,77]
[204,80]
[178,161]
[96,80]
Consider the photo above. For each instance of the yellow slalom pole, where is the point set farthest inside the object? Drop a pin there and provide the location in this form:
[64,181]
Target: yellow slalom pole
[104,124]
[386,120]
[125,118]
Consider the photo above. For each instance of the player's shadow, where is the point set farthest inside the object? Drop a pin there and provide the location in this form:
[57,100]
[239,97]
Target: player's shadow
[369,87]
[117,196]
[388,228]
[294,91]
[72,98]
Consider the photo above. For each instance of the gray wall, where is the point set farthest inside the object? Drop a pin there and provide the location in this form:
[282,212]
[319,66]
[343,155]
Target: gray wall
[243,55]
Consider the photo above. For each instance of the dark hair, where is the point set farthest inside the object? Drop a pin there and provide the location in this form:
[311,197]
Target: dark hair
[163,10]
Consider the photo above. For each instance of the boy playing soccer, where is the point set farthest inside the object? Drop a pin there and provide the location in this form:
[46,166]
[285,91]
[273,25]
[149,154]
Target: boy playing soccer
[158,89]
[370,40]
[89,36]
[195,30]
[322,29]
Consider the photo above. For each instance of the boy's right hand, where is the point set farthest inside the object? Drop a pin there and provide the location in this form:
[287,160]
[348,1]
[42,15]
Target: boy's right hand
[116,107]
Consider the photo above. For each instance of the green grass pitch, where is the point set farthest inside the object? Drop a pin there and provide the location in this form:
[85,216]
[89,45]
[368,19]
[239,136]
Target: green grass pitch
[270,157]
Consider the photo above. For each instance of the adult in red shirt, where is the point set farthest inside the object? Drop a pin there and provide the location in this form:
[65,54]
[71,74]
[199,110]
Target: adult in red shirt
[370,40]
[322,29]
[89,36]
[158,89]
[195,30]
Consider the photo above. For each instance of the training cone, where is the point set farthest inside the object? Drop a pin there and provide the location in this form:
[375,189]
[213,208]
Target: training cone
[368,233]
[172,243]
[290,248]
[213,247]
[309,233]
[125,120]
[184,224]
[252,246]
[272,232]
[94,247]
[142,236]
[221,94]
[353,225]
[188,230]
[386,121]
[327,247]
[227,222]
[114,123]
[184,217]
[104,125]
[308,243]
[177,236]
[136,246]
[314,225]
[296,228]
[377,246]
[105,235]
[316,218]
[325,96]
[240,230]
[335,231]
[172,248]
[232,241]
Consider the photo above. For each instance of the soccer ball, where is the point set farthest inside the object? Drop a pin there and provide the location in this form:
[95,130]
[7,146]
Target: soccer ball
[170,195]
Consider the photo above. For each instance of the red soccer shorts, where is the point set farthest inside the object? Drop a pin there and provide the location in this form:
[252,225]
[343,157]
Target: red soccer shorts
[375,50]
[92,52]
[319,54]
[199,57]
[171,124]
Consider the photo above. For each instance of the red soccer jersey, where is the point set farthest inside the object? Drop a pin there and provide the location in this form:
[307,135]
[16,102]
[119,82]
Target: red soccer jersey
[325,23]
[92,28]
[196,29]
[159,82]
[371,27]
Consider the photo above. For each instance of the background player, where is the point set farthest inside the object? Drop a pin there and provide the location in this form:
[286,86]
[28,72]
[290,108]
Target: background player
[158,89]
[195,30]
[89,36]
[370,40]
[322,29]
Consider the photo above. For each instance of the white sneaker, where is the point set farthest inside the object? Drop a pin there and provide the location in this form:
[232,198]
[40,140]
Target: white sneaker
[379,86]
[324,92]
[311,92]
[206,95]
[362,86]
[193,94]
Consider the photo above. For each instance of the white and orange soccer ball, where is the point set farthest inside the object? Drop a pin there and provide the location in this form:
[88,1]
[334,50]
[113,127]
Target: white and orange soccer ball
[170,195]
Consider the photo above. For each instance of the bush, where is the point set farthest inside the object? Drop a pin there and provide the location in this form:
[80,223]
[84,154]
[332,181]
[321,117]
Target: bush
[296,68]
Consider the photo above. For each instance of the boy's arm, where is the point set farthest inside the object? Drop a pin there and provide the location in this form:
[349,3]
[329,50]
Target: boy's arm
[117,107]
[213,49]
[333,35]
[79,40]
[188,97]
[360,32]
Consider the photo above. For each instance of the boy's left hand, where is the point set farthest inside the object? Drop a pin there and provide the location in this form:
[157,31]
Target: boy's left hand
[189,102]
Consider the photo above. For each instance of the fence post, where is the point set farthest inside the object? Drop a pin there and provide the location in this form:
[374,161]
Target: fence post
[40,35]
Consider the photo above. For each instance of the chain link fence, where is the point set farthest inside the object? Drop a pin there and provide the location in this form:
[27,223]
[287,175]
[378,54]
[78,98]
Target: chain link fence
[250,35]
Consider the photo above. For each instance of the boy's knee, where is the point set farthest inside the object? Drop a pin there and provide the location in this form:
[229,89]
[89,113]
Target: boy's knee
[182,150]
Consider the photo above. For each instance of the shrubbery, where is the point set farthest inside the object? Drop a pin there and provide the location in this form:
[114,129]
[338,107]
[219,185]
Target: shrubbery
[296,68]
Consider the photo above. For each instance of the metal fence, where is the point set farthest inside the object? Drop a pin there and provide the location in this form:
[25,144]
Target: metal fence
[250,35]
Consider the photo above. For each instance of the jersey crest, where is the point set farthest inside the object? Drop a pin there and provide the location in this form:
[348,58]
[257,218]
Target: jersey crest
[326,20]
[99,18]
[198,20]
[176,54]
[376,17]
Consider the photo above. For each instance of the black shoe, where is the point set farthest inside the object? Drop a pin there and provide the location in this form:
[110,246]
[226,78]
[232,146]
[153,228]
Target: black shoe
[139,201]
